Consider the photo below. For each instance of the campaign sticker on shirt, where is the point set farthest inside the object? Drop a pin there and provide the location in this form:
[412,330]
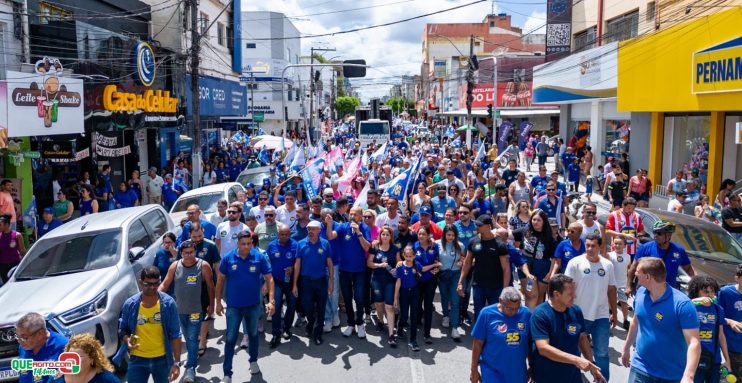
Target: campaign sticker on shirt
[191,280]
[572,329]
[477,247]
[567,253]
[431,251]
[253,268]
[277,254]
[320,251]
[676,255]
[157,318]
[223,233]
[399,245]
[512,338]
[586,270]
[521,326]
[601,272]
[195,317]
[234,266]
[347,237]
[12,244]
[141,320]
[658,316]
[619,259]
[502,327]
[738,305]
[203,252]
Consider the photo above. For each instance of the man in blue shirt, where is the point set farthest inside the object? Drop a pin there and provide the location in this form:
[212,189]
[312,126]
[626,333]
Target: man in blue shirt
[664,327]
[441,203]
[314,265]
[282,254]
[355,240]
[552,205]
[240,274]
[194,215]
[539,181]
[37,343]
[169,193]
[730,299]
[501,338]
[47,222]
[570,248]
[672,254]
[558,329]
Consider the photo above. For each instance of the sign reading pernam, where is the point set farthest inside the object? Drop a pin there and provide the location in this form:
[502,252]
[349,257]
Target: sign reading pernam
[719,68]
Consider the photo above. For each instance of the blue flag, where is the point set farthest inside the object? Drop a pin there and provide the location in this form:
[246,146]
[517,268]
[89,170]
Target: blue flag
[299,160]
[263,156]
[502,141]
[29,215]
[311,177]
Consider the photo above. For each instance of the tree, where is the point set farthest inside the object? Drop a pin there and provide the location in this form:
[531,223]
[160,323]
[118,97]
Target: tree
[346,105]
[398,105]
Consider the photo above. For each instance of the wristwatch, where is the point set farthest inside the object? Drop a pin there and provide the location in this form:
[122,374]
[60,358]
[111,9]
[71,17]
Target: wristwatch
[179,364]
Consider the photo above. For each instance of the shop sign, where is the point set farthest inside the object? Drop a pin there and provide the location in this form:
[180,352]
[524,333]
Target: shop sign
[718,68]
[44,104]
[151,101]
[57,149]
[263,67]
[103,146]
[439,68]
[144,60]
[218,97]
[509,95]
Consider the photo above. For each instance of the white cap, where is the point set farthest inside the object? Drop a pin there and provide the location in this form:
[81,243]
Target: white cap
[312,224]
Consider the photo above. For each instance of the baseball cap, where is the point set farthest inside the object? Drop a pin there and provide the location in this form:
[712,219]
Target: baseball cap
[484,219]
[48,210]
[442,187]
[328,191]
[425,210]
[266,181]
[313,224]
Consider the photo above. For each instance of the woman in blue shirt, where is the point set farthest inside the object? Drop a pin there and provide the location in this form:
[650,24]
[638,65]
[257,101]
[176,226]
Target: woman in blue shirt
[451,253]
[166,255]
[427,253]
[125,197]
[382,255]
[702,289]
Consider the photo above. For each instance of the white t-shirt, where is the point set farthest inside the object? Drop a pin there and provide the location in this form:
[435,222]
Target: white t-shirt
[215,219]
[383,219]
[209,177]
[286,217]
[587,230]
[674,204]
[259,213]
[154,186]
[620,267]
[227,235]
[592,281]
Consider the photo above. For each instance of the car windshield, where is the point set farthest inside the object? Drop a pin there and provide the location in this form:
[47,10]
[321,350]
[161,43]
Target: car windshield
[708,242]
[206,202]
[71,254]
[254,178]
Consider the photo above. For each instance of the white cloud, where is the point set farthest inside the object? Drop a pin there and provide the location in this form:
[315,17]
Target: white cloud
[537,21]
[393,51]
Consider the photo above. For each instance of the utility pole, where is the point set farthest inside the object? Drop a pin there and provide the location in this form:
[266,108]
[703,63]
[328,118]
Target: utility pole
[470,90]
[312,80]
[195,92]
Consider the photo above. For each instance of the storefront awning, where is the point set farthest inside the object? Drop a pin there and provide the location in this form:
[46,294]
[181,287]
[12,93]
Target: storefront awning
[503,112]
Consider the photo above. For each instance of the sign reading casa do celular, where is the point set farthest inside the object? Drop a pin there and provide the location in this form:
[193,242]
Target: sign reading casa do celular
[151,101]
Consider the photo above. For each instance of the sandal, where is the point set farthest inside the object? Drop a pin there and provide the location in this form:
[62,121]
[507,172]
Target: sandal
[201,351]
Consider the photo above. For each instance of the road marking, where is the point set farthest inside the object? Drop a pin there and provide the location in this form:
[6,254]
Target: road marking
[416,368]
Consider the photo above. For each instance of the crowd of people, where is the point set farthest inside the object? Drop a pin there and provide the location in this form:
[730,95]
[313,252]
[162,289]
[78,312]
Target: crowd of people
[545,290]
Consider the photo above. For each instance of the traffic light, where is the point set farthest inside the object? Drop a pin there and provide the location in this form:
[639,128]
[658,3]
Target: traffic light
[489,111]
[316,76]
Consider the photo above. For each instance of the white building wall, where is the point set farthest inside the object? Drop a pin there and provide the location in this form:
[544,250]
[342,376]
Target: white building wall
[11,49]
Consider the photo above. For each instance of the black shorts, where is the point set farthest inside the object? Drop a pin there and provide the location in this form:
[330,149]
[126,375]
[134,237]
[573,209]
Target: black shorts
[639,196]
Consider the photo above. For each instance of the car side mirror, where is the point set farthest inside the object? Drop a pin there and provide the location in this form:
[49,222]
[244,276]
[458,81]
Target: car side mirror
[135,253]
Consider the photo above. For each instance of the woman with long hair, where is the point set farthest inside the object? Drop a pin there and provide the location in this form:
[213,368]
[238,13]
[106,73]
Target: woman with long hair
[427,254]
[63,208]
[521,215]
[88,204]
[538,247]
[94,366]
[382,255]
[722,198]
[452,253]
[421,196]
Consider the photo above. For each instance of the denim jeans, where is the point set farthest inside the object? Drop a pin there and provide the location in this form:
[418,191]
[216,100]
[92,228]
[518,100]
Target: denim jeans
[600,332]
[331,308]
[427,294]
[235,315]
[711,375]
[483,297]
[314,299]
[283,289]
[408,308]
[464,301]
[447,284]
[190,329]
[636,376]
[351,284]
[140,369]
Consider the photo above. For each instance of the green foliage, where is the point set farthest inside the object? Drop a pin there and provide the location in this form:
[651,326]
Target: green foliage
[346,105]
[398,105]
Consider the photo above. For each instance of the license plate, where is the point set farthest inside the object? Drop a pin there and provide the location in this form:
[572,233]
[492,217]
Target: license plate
[8,374]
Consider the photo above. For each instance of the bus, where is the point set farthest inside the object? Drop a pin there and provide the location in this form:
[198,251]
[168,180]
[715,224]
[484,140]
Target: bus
[373,130]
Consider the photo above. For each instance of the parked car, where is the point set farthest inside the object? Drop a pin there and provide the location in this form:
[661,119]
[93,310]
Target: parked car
[712,250]
[206,198]
[79,275]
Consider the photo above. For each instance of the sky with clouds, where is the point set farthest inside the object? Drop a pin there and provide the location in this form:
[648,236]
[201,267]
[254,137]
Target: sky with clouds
[394,50]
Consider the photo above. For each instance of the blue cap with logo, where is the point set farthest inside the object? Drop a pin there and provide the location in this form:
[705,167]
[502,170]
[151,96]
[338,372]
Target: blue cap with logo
[425,210]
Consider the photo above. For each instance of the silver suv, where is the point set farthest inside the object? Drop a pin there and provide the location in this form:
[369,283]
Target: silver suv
[79,275]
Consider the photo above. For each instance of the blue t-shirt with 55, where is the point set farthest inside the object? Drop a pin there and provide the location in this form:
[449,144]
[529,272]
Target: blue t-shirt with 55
[503,357]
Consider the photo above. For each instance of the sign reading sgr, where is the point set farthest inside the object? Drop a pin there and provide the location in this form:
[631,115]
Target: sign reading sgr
[152,101]
[718,68]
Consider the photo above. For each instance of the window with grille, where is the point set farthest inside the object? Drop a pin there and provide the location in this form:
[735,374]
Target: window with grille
[49,12]
[651,10]
[221,39]
[622,27]
[203,24]
[584,40]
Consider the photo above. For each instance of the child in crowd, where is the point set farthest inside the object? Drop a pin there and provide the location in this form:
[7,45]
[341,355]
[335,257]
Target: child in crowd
[621,262]
[589,188]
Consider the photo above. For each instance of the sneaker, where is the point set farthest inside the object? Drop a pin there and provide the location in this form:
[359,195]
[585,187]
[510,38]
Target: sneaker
[317,340]
[336,320]
[189,376]
[626,325]
[362,331]
[327,328]
[367,319]
[413,346]
[428,339]
[379,326]
[400,332]
[455,334]
[227,379]
[300,321]
[392,341]
[286,334]
[275,341]
[254,369]
[349,331]
[446,322]
[244,342]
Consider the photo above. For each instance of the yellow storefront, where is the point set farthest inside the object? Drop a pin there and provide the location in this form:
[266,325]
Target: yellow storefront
[690,78]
